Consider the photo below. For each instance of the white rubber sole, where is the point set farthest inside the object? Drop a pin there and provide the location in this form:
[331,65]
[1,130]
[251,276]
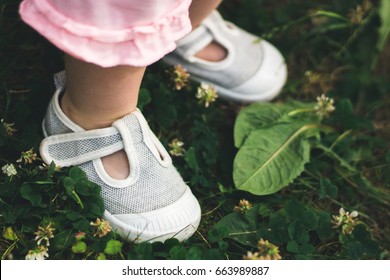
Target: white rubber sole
[241,96]
[178,220]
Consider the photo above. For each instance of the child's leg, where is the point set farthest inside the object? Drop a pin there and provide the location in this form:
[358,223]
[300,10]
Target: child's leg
[199,10]
[95,97]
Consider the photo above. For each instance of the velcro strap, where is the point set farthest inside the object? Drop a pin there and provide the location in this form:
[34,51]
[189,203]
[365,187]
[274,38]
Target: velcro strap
[194,42]
[79,147]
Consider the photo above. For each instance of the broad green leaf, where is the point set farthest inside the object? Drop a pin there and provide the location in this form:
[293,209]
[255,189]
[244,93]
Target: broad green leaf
[384,30]
[272,157]
[261,115]
[255,116]
[113,247]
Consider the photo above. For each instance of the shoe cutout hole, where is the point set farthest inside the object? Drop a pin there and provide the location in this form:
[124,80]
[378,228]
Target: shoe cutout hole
[214,52]
[117,165]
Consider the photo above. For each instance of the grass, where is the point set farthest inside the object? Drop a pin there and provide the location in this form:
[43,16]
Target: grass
[330,47]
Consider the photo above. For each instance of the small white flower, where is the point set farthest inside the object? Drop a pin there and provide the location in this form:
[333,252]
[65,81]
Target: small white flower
[44,234]
[176,148]
[324,106]
[39,253]
[9,170]
[206,94]
[347,221]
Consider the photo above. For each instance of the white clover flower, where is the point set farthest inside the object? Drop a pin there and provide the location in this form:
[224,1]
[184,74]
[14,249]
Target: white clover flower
[39,253]
[9,170]
[44,234]
[101,227]
[9,128]
[206,94]
[28,157]
[347,221]
[176,148]
[324,106]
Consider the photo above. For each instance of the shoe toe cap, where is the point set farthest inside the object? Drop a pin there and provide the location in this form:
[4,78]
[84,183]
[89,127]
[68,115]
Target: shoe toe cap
[269,78]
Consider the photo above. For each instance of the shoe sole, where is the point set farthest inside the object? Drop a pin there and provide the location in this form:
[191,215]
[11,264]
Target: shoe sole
[232,95]
[178,220]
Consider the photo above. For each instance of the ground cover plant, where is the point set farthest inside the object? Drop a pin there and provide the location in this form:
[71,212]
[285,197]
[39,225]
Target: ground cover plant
[304,177]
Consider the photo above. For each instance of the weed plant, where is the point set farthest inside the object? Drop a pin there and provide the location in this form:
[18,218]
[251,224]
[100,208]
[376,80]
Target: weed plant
[304,177]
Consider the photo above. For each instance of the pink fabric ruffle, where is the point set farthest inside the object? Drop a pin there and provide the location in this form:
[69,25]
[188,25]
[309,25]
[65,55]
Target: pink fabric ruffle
[135,45]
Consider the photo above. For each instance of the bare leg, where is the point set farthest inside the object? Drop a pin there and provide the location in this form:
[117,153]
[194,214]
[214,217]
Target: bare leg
[199,10]
[95,97]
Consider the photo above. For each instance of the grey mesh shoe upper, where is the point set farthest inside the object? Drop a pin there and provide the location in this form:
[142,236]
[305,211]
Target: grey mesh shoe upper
[153,182]
[253,69]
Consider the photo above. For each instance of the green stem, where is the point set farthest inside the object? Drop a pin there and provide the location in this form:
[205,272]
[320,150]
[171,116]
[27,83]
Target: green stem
[9,249]
[76,196]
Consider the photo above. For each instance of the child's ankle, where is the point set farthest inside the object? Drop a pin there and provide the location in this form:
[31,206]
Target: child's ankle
[87,121]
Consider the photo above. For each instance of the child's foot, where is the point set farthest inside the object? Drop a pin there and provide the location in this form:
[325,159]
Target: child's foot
[152,203]
[239,65]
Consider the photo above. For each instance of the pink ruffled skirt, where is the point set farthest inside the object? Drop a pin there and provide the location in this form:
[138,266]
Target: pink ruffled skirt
[110,32]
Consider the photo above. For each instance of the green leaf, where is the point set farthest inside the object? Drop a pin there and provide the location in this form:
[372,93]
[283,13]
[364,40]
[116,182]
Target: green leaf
[293,246]
[70,188]
[79,247]
[294,209]
[272,157]
[9,234]
[327,189]
[384,30]
[190,158]
[77,174]
[309,219]
[236,226]
[325,229]
[306,248]
[62,240]
[355,249]
[194,253]
[113,247]
[142,251]
[85,187]
[256,116]
[69,185]
[262,115]
[31,194]
[178,252]
[298,233]
[144,98]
